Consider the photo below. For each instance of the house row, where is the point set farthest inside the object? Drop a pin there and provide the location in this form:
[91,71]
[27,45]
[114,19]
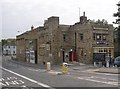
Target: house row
[9,47]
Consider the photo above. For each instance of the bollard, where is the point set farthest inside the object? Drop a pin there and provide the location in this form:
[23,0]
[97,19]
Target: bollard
[48,66]
[107,63]
[64,68]
[95,64]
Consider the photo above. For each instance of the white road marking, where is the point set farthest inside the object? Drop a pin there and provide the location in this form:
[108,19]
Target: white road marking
[31,80]
[10,81]
[93,80]
[99,73]
[102,78]
[54,72]
[37,70]
[23,86]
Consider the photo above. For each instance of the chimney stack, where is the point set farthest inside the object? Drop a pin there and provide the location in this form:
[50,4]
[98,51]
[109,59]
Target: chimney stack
[32,27]
[84,13]
[83,19]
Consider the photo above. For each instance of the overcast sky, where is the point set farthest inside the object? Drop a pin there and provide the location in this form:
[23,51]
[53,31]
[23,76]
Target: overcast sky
[19,15]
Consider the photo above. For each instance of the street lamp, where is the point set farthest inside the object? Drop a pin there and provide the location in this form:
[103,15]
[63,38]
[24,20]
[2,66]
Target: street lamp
[63,54]
[70,50]
[50,52]
[71,54]
[85,54]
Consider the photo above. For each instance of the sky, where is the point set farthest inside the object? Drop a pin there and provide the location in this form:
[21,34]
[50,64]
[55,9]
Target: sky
[17,16]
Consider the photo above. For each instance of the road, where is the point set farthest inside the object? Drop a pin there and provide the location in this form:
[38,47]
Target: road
[17,75]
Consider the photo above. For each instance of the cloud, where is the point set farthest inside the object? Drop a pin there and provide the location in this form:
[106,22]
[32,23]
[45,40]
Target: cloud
[21,14]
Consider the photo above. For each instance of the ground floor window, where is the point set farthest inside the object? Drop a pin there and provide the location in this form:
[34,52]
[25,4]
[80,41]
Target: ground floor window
[109,51]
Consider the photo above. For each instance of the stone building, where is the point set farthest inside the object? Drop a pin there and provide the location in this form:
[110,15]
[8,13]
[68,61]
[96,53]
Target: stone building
[27,45]
[53,41]
[89,37]
[65,43]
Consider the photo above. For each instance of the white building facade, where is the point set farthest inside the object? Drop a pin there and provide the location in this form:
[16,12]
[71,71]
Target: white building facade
[9,49]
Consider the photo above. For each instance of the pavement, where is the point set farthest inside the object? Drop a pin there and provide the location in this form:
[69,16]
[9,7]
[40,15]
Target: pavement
[109,70]
[91,68]
[57,69]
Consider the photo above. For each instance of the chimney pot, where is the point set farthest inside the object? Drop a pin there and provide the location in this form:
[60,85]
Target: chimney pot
[32,27]
[84,13]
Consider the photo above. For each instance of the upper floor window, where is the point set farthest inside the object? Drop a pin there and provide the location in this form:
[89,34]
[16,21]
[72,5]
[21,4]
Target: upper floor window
[13,46]
[8,46]
[103,37]
[64,37]
[94,36]
[81,36]
[98,36]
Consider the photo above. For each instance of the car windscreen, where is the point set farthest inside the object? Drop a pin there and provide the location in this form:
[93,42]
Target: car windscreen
[117,59]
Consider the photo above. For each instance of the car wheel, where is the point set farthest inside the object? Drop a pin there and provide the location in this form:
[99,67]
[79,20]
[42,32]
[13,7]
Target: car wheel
[115,65]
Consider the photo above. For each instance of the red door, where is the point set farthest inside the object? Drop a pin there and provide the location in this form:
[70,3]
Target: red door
[74,56]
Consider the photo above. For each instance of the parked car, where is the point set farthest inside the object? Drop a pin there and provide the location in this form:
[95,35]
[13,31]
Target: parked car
[117,61]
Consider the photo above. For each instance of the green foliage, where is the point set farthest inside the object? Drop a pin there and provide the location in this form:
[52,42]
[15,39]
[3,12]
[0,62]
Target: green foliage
[4,41]
[116,14]
[119,34]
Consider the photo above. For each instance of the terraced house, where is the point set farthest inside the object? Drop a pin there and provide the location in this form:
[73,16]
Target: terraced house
[59,43]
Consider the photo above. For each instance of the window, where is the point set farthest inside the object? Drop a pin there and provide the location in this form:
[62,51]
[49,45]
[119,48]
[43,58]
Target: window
[64,37]
[98,36]
[103,37]
[109,50]
[8,46]
[100,50]
[81,36]
[105,50]
[13,52]
[94,36]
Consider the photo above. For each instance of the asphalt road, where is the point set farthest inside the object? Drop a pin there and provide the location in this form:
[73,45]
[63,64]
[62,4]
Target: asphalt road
[16,75]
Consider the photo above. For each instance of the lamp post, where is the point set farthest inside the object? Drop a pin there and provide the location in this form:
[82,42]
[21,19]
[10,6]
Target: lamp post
[71,54]
[75,41]
[85,56]
[63,54]
[48,64]
[50,52]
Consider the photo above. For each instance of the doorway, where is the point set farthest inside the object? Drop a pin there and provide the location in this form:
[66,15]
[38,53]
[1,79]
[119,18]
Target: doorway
[63,53]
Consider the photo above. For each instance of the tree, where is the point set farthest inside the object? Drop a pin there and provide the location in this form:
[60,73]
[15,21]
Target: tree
[119,34]
[116,14]
[4,42]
